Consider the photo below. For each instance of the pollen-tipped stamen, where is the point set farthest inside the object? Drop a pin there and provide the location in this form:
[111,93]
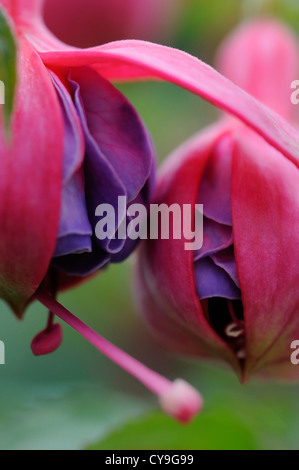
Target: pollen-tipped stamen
[178,399]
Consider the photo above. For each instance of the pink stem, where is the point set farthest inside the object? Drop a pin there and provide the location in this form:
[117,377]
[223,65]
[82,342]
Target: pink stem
[50,320]
[152,380]
[178,399]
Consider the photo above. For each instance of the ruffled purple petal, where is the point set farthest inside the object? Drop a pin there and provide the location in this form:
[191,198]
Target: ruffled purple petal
[216,237]
[214,264]
[142,198]
[74,233]
[74,228]
[116,129]
[103,185]
[73,138]
[119,156]
[75,244]
[214,191]
[83,264]
[213,281]
[118,162]
[225,259]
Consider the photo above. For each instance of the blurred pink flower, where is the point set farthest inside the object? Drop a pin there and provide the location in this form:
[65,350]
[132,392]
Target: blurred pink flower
[86,23]
[237,298]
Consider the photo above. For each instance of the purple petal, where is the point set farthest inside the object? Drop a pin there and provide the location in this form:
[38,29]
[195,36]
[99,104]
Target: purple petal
[214,191]
[225,259]
[82,264]
[216,237]
[117,130]
[118,162]
[74,228]
[213,281]
[74,235]
[119,155]
[103,185]
[214,264]
[73,136]
[142,198]
[72,244]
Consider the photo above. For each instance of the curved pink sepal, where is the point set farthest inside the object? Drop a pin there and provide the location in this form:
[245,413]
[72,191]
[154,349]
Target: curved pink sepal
[134,60]
[174,313]
[265,208]
[30,182]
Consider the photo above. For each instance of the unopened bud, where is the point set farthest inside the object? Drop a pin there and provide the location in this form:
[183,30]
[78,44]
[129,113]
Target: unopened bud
[47,341]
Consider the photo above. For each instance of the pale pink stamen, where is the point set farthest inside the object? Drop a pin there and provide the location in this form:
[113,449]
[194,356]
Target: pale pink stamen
[178,399]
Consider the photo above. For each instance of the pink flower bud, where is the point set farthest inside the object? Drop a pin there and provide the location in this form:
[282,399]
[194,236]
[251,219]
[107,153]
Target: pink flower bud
[237,298]
[47,341]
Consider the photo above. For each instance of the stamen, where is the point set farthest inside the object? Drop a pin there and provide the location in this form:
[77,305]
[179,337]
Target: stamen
[241,354]
[48,340]
[50,323]
[233,330]
[178,399]
[240,323]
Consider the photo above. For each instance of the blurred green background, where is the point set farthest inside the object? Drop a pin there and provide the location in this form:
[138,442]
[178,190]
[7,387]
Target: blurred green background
[76,398]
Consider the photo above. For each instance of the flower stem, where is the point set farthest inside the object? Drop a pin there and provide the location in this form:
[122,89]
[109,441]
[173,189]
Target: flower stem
[178,398]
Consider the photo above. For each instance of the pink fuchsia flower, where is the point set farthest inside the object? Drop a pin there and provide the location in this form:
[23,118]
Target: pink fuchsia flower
[237,298]
[92,22]
[69,118]
[93,149]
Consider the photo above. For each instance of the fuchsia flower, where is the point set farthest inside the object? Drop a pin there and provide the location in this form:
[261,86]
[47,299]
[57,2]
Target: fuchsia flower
[237,298]
[77,142]
[92,22]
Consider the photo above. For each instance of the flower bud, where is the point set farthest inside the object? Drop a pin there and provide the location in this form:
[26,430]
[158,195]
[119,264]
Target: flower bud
[237,298]
[47,341]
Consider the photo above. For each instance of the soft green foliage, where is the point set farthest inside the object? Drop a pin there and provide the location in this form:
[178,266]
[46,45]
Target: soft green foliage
[258,416]
[76,397]
[156,431]
[60,416]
